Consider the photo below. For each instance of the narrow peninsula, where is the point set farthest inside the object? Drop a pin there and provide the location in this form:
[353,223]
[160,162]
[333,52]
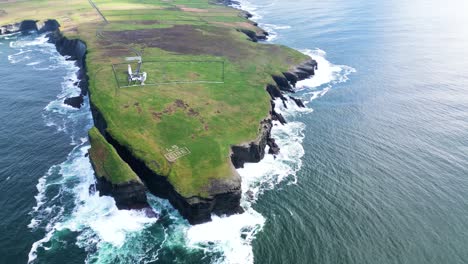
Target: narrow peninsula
[206,107]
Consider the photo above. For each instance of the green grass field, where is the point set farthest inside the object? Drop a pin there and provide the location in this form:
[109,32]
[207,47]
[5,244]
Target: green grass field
[168,72]
[205,118]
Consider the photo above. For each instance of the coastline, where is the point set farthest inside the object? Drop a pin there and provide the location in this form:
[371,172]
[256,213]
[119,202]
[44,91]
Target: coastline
[195,209]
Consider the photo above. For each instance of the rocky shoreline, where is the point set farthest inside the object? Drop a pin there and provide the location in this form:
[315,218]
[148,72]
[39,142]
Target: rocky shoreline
[225,195]
[74,50]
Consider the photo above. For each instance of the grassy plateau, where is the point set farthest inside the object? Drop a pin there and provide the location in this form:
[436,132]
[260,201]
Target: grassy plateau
[206,81]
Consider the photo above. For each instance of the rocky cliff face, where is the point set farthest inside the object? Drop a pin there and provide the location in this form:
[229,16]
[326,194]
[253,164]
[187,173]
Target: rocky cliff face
[75,50]
[129,195]
[255,151]
[224,199]
[25,26]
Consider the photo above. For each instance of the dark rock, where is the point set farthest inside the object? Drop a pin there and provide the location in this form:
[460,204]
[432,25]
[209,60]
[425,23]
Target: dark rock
[244,14]
[291,77]
[129,195]
[301,75]
[75,102]
[308,67]
[278,117]
[27,26]
[283,83]
[297,101]
[49,25]
[274,92]
[275,115]
[250,195]
[92,189]
[253,151]
[249,33]
[262,35]
[301,72]
[274,148]
[75,49]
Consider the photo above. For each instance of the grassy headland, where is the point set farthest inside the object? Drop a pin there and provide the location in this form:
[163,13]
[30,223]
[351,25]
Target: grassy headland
[107,163]
[207,80]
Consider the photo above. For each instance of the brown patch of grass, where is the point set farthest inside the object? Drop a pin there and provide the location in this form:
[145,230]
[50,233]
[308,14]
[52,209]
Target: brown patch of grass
[185,39]
[192,112]
[137,106]
[180,104]
[157,116]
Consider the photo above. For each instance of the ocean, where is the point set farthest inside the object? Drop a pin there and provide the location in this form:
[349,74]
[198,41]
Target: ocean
[374,170]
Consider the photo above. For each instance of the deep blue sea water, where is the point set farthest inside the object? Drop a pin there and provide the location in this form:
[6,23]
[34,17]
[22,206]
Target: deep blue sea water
[375,170]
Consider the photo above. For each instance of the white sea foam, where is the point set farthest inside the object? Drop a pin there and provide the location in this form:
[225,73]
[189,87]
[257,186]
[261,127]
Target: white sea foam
[99,214]
[93,216]
[25,47]
[34,63]
[22,55]
[249,7]
[32,255]
[273,30]
[40,186]
[230,235]
[9,36]
[328,73]
[40,40]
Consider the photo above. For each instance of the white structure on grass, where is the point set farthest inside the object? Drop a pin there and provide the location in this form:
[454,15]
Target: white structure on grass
[137,77]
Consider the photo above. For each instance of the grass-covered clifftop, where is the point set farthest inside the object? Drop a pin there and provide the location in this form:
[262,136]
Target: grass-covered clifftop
[107,163]
[206,86]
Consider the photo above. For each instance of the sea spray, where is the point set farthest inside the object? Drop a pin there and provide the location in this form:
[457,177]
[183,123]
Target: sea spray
[328,73]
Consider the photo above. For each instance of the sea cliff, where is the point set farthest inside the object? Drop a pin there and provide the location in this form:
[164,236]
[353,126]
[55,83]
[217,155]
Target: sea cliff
[207,191]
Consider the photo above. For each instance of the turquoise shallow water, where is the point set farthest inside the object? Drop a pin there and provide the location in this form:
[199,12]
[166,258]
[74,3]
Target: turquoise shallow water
[374,171]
